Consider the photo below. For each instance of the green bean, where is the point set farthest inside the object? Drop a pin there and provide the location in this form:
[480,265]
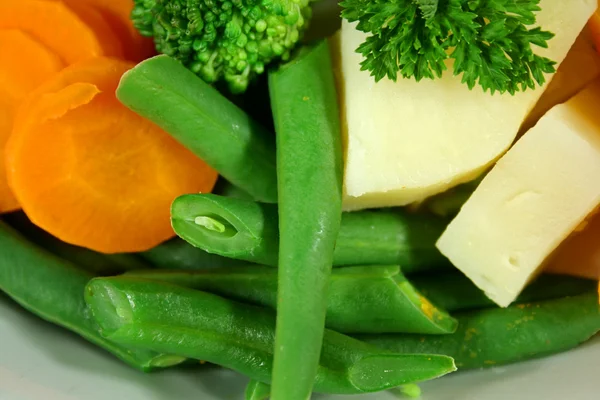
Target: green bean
[449,203]
[498,336]
[197,325]
[453,291]
[204,121]
[180,255]
[97,263]
[229,227]
[309,178]
[53,289]
[257,391]
[224,188]
[246,230]
[372,299]
[392,236]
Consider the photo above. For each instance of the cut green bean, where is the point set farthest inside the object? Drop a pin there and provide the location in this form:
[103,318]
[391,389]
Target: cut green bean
[204,121]
[384,237]
[257,391]
[96,263]
[252,232]
[309,178]
[180,255]
[449,203]
[193,324]
[498,336]
[371,299]
[453,291]
[53,289]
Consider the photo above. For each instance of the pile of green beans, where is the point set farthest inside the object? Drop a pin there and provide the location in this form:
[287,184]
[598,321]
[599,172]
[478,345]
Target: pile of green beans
[176,254]
[387,301]
[496,336]
[94,262]
[246,230]
[197,325]
[371,299]
[52,288]
[453,291]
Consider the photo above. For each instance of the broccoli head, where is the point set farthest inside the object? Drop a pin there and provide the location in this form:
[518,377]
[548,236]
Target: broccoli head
[223,40]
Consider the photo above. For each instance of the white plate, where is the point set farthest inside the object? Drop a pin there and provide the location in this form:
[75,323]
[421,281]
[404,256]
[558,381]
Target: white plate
[41,362]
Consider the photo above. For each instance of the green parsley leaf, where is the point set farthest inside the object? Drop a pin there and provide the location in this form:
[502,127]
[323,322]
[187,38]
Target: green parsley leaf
[428,8]
[490,41]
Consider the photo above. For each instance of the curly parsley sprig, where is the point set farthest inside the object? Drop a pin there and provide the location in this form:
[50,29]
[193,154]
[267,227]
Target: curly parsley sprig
[489,40]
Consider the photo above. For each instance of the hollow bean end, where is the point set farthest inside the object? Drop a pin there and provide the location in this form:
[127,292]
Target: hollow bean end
[109,306]
[381,372]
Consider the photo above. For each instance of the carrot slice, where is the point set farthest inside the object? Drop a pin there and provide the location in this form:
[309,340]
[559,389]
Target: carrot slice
[73,36]
[93,173]
[24,65]
[110,39]
[117,13]
[594,26]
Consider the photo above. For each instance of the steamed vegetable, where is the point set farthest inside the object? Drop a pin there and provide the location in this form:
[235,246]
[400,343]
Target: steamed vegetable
[580,67]
[105,185]
[452,291]
[595,29]
[426,137]
[180,255]
[117,14]
[227,189]
[532,199]
[97,263]
[579,254]
[257,391]
[489,42]
[205,122]
[370,299]
[246,230]
[448,203]
[499,336]
[38,38]
[53,289]
[309,180]
[73,33]
[224,41]
[193,324]
[24,64]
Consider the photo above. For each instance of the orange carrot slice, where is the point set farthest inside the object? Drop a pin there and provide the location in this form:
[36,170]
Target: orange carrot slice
[594,26]
[579,254]
[73,36]
[93,173]
[117,13]
[110,39]
[24,65]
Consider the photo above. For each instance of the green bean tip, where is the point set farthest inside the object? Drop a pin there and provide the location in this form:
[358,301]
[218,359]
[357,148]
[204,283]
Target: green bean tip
[386,371]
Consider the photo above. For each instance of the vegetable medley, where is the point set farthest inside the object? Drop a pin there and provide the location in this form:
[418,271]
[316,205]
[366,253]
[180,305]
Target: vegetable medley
[200,181]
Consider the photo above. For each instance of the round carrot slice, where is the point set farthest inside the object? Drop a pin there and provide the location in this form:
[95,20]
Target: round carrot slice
[72,35]
[93,173]
[118,14]
[594,26]
[24,65]
[110,40]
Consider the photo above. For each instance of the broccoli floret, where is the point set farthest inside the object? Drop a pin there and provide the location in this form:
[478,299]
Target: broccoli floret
[223,40]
